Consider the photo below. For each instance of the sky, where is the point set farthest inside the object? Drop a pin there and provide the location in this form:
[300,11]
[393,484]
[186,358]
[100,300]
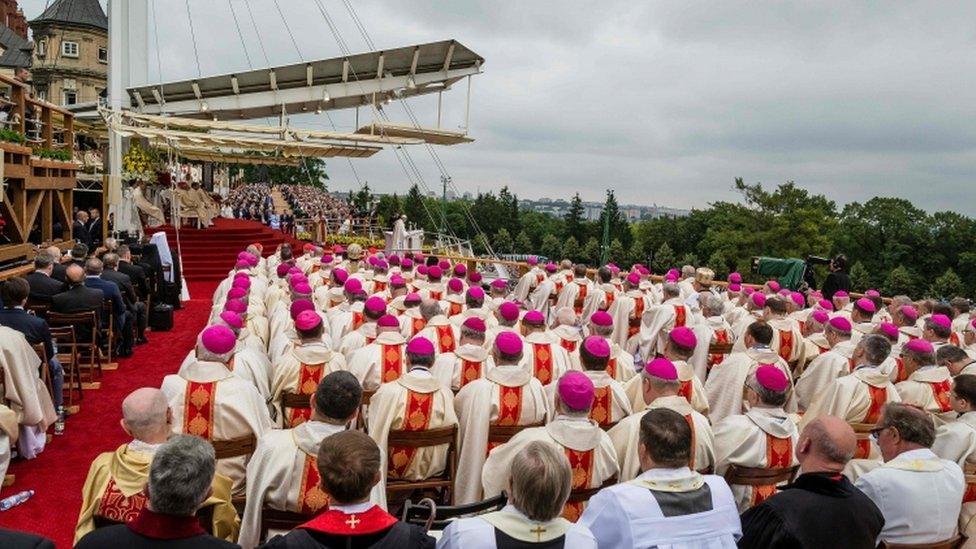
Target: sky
[663,102]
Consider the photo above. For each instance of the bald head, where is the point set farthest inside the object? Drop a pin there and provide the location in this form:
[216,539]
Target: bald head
[54,252]
[826,444]
[145,415]
[75,274]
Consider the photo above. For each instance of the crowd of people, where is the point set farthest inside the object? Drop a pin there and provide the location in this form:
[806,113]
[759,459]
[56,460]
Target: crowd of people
[313,202]
[602,409]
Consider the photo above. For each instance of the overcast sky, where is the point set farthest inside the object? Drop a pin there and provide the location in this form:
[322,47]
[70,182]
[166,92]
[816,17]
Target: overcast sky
[665,102]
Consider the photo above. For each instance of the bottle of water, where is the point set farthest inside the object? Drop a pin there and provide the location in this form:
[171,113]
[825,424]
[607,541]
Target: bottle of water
[15,500]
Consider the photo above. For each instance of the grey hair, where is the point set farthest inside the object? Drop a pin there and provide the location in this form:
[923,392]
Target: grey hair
[468,333]
[714,305]
[180,476]
[207,356]
[604,331]
[429,308]
[566,316]
[876,348]
[901,300]
[43,260]
[913,424]
[688,270]
[670,289]
[541,480]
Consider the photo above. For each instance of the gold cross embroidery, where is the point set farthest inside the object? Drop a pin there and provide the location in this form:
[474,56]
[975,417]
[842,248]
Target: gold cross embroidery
[352,521]
[538,531]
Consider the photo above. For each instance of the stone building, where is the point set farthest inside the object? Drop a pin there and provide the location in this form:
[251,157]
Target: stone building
[70,63]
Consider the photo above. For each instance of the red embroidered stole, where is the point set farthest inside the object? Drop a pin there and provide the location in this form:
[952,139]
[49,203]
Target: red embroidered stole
[378,286]
[542,362]
[357,320]
[580,298]
[559,287]
[785,344]
[470,371]
[902,375]
[309,376]
[198,403]
[416,417]
[337,523]
[454,309]
[115,506]
[851,364]
[940,390]
[970,494]
[539,278]
[567,344]
[601,411]
[416,325]
[954,339]
[582,465]
[694,441]
[392,362]
[315,268]
[436,295]
[612,368]
[823,349]
[311,498]
[684,390]
[445,339]
[635,321]
[879,396]
[609,298]
[722,338]
[779,454]
[679,316]
[509,409]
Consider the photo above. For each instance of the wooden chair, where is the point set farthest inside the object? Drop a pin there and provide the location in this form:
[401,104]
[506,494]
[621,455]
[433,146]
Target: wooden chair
[759,476]
[500,434]
[273,519]
[951,543]
[243,446]
[39,308]
[67,353]
[109,336]
[443,483]
[432,516]
[203,514]
[581,495]
[86,332]
[294,400]
[44,370]
[362,421]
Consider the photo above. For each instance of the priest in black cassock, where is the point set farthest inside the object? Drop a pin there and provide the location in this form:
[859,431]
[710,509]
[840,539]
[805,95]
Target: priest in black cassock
[820,508]
[349,467]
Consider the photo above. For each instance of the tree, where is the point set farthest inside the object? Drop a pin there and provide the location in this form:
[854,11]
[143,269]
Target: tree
[571,250]
[509,206]
[637,254]
[502,243]
[551,247]
[413,206]
[591,252]
[719,264]
[574,219]
[619,227]
[860,278]
[689,259]
[900,281]
[617,254]
[664,258]
[363,199]
[523,244]
[947,286]
[309,171]
[388,208]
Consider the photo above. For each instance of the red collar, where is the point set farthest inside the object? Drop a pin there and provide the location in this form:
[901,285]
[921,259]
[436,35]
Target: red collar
[371,521]
[160,526]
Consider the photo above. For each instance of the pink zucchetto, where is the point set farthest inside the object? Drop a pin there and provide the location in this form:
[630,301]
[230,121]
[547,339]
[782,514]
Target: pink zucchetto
[920,346]
[597,346]
[394,259]
[422,269]
[232,319]
[972,325]
[840,324]
[633,279]
[294,270]
[826,305]
[460,270]
[551,267]
[866,305]
[371,260]
[475,323]
[798,299]
[889,330]
[941,320]
[784,292]
[235,306]
[326,259]
[749,290]
[420,346]
[444,265]
[872,293]
[773,285]
[412,297]
[499,284]
[601,318]
[758,299]
[643,271]
[241,282]
[575,390]
[242,264]
[353,286]
[532,260]
[397,281]
[508,343]
[241,275]
[219,340]
[302,288]
[613,269]
[340,276]
[375,305]
[683,337]
[307,320]
[455,285]
[661,368]
[381,265]
[820,316]
[534,318]
[509,311]
[388,321]
[299,306]
[475,292]
[841,294]
[435,272]
[909,312]
[418,257]
[236,293]
[735,287]
[772,378]
[735,278]
[474,277]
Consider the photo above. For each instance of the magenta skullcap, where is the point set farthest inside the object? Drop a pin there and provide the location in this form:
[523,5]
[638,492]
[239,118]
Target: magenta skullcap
[326,259]
[673,272]
[406,264]
[551,267]
[253,260]
[232,319]
[798,298]
[972,324]
[388,321]
[499,284]
[294,270]
[534,318]
[773,285]
[375,304]
[300,305]
[509,311]
[371,260]
[941,320]
[826,305]
[338,249]
[420,346]
[307,320]
[841,294]
[613,269]
[235,306]
[435,272]
[532,260]
[412,297]
[382,265]
[219,340]
[422,269]
[772,378]
[241,275]
[353,286]
[242,282]
[784,292]
[671,278]
[394,259]
[683,337]
[735,287]
[840,324]
[241,264]
[758,299]
[816,294]
[601,318]
[661,368]
[576,391]
[865,305]
[909,312]
[597,346]
[749,290]
[340,276]
[508,343]
[455,285]
[302,288]
[735,278]
[397,281]
[242,255]
[475,323]
[644,271]
[460,270]
[820,316]
[236,293]
[920,346]
[889,330]
[633,279]
[474,277]
[872,293]
[418,257]
[475,292]
[444,264]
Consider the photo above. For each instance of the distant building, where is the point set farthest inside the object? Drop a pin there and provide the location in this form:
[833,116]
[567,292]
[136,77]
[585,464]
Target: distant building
[15,50]
[13,18]
[70,63]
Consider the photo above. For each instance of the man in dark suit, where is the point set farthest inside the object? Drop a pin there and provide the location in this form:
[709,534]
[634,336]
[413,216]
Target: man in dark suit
[59,267]
[78,255]
[79,231]
[11,539]
[123,321]
[135,272]
[42,286]
[78,298]
[94,226]
[14,294]
[136,308]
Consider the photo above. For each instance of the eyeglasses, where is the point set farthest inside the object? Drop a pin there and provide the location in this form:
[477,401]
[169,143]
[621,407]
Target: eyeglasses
[876,433]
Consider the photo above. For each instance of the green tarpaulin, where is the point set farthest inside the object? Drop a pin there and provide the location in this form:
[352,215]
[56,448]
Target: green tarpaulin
[788,272]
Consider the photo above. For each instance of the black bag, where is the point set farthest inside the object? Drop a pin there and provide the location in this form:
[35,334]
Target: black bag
[169,294]
[161,318]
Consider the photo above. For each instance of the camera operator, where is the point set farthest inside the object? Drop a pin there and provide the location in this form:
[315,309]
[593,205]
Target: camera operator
[838,279]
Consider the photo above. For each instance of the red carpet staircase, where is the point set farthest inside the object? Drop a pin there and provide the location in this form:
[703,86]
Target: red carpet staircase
[208,254]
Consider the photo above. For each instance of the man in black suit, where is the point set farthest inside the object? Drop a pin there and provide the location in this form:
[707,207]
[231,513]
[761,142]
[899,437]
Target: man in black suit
[94,226]
[136,308]
[78,298]
[123,320]
[42,286]
[10,539]
[14,294]
[78,255]
[79,231]
[59,267]
[135,272]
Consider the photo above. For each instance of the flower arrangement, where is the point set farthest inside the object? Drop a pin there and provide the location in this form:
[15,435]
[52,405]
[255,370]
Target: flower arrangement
[139,163]
[345,240]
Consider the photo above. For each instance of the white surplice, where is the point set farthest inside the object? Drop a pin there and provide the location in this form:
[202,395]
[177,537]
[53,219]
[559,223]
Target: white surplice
[288,369]
[726,381]
[691,389]
[538,347]
[822,371]
[928,388]
[248,365]
[479,532]
[24,391]
[466,364]
[713,329]
[367,363]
